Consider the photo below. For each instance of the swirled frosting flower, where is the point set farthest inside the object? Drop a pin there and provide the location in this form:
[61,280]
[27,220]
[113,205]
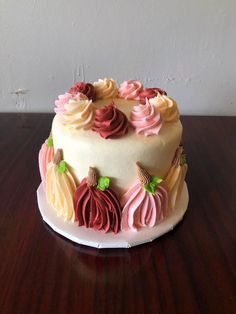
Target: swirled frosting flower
[167,107]
[61,101]
[150,93]
[85,88]
[105,89]
[110,122]
[130,89]
[146,119]
[79,112]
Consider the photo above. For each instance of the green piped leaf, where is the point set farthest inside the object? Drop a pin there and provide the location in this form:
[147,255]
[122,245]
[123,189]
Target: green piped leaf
[50,142]
[103,183]
[152,186]
[61,167]
[156,180]
[183,159]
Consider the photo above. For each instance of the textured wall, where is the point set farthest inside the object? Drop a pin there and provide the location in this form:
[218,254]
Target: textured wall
[187,47]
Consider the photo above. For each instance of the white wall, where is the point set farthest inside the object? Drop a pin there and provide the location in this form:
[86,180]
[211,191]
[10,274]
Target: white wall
[187,47]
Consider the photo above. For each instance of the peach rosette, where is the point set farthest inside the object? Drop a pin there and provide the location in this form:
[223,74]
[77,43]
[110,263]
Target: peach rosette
[78,113]
[167,107]
[105,89]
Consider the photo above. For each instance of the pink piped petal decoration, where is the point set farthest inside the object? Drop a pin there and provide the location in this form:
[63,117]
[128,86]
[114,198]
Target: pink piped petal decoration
[45,156]
[142,209]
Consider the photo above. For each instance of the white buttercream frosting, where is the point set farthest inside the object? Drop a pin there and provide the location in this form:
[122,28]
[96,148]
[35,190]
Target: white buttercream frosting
[117,158]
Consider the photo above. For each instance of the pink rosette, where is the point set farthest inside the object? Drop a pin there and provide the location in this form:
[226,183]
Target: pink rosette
[150,93]
[130,89]
[141,208]
[146,119]
[61,101]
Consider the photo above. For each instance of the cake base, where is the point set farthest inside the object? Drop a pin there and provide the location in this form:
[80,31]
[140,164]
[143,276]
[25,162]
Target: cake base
[124,239]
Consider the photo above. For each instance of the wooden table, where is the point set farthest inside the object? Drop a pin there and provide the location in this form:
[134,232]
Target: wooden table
[189,270]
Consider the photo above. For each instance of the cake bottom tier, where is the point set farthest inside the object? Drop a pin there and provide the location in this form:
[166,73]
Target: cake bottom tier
[124,239]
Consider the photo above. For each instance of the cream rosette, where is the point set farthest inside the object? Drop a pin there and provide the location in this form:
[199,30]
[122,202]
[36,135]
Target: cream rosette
[105,89]
[79,113]
[167,107]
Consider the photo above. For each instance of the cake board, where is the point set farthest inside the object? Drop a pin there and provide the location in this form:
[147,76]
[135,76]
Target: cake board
[124,239]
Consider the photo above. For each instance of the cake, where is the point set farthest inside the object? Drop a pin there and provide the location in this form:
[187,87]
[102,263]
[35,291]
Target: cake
[114,161]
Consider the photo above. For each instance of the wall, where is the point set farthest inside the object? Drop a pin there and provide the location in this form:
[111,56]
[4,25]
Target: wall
[186,47]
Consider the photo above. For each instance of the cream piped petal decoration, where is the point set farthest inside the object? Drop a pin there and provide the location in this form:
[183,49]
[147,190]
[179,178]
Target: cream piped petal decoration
[60,188]
[175,177]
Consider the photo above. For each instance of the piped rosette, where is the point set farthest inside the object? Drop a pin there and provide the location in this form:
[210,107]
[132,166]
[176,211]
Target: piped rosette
[105,89]
[146,119]
[110,122]
[167,107]
[60,103]
[130,89]
[45,156]
[96,205]
[84,88]
[79,112]
[175,177]
[145,203]
[60,187]
[150,92]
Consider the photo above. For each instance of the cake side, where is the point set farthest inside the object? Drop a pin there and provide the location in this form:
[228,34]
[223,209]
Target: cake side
[116,158]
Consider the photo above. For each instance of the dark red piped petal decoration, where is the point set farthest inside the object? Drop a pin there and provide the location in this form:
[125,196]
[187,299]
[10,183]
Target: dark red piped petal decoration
[100,210]
[150,93]
[110,122]
[84,88]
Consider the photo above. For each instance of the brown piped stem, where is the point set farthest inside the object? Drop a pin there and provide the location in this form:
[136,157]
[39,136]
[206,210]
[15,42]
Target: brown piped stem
[92,177]
[58,156]
[143,175]
[178,153]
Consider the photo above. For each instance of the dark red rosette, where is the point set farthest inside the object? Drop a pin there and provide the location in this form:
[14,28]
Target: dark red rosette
[110,122]
[150,93]
[84,88]
[96,206]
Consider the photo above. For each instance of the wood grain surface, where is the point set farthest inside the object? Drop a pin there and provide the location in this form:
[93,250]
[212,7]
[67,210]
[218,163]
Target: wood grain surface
[189,270]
